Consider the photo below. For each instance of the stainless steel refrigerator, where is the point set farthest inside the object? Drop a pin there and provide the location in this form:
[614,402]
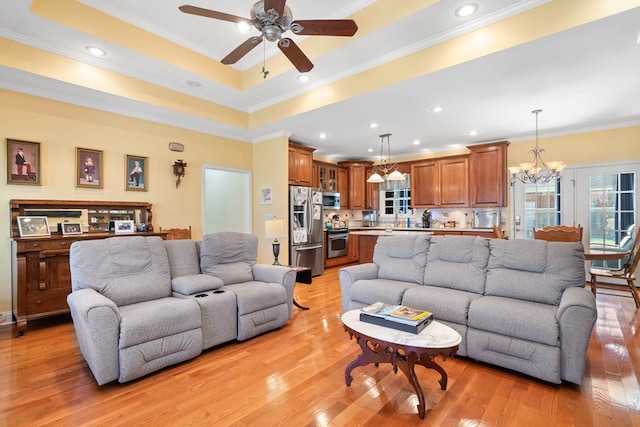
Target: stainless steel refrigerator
[306,237]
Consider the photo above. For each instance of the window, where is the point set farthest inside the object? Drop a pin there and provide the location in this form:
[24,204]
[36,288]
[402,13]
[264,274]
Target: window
[396,201]
[542,206]
[611,207]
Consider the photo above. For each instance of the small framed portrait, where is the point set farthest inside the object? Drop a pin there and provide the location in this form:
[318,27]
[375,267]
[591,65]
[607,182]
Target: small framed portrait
[33,226]
[137,176]
[88,168]
[265,196]
[124,227]
[71,228]
[23,162]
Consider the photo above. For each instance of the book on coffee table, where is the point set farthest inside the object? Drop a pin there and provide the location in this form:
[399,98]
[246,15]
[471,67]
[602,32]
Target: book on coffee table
[399,317]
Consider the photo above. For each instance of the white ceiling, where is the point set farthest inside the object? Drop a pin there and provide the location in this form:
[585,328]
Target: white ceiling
[583,78]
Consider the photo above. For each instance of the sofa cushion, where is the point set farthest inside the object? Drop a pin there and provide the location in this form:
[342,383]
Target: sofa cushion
[526,320]
[534,270]
[445,304]
[382,290]
[401,257]
[184,258]
[229,256]
[127,269]
[468,256]
[194,283]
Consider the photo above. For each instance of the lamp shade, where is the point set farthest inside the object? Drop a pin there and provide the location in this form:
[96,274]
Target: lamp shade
[274,228]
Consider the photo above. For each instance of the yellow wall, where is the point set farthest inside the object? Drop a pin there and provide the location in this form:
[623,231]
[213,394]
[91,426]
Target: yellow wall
[60,128]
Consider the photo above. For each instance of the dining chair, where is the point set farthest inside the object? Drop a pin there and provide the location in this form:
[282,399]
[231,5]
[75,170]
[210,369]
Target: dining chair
[177,233]
[627,273]
[497,232]
[559,233]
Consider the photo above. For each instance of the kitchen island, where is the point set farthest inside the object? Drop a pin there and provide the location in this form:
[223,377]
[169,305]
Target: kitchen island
[366,238]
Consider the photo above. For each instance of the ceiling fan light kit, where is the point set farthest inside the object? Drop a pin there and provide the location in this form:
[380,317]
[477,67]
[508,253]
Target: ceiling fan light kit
[273,18]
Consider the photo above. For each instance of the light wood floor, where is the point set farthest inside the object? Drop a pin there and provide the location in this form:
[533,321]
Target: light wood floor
[295,377]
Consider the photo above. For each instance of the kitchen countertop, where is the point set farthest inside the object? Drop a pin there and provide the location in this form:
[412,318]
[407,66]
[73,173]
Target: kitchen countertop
[381,231]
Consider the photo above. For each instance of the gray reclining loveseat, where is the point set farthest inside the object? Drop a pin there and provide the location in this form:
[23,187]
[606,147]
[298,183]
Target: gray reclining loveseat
[140,304]
[519,304]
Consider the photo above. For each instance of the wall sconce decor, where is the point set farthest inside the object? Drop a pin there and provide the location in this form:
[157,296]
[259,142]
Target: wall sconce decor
[179,169]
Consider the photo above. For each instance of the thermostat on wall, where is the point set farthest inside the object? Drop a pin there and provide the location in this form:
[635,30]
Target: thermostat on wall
[176,146]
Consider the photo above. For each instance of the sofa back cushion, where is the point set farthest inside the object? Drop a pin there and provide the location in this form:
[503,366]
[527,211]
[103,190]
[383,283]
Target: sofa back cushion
[534,270]
[401,257]
[184,257]
[126,270]
[230,256]
[457,262]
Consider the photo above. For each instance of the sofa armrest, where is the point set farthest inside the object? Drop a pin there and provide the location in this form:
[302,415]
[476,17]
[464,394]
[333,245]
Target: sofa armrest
[576,316]
[349,275]
[285,276]
[96,320]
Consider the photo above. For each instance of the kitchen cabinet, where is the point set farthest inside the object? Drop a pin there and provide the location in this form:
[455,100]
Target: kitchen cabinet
[300,164]
[357,183]
[366,245]
[343,187]
[41,278]
[488,174]
[327,176]
[352,249]
[372,196]
[440,182]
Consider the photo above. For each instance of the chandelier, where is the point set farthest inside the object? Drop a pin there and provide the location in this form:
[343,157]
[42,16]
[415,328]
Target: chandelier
[537,171]
[386,165]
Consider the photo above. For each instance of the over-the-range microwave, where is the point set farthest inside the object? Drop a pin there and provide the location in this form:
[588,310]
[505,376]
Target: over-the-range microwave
[330,200]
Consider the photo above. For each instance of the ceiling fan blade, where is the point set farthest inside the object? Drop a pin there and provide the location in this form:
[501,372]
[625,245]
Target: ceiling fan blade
[295,55]
[242,50]
[194,10]
[277,5]
[325,27]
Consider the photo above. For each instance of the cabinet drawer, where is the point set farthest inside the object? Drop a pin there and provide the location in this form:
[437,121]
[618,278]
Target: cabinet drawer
[43,245]
[53,300]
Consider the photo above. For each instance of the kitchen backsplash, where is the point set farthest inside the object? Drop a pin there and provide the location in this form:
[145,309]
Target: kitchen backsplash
[463,218]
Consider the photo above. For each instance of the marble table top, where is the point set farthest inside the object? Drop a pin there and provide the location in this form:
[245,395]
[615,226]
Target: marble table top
[436,335]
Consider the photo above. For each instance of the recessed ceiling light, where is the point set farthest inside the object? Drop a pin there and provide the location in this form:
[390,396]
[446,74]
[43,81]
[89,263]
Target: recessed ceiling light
[473,132]
[243,27]
[437,109]
[193,83]
[322,135]
[373,125]
[304,77]
[416,142]
[466,10]
[96,51]
[370,150]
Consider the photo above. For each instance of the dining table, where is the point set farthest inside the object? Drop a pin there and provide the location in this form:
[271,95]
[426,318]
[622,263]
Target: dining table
[595,254]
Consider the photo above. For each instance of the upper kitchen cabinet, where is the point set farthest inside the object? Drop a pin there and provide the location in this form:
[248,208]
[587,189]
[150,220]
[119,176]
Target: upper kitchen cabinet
[440,182]
[372,197]
[357,183]
[343,187]
[327,176]
[300,164]
[488,174]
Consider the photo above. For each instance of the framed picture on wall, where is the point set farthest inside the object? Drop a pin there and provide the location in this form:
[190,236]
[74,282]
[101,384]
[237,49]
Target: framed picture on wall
[137,175]
[265,196]
[23,162]
[88,168]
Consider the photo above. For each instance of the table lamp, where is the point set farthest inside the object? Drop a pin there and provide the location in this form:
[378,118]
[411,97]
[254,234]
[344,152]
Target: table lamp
[274,228]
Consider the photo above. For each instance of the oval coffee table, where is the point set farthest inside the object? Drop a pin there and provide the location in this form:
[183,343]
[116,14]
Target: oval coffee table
[402,350]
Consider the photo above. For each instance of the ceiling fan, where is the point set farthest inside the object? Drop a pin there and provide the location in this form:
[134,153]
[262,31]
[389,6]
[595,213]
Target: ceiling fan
[273,18]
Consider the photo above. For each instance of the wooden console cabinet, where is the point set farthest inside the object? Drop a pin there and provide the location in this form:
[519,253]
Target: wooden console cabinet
[41,278]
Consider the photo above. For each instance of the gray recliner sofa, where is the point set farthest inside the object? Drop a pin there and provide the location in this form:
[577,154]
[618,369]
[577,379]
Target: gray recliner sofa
[140,304]
[518,304]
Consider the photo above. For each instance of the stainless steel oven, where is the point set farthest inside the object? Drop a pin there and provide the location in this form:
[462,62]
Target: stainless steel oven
[337,242]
